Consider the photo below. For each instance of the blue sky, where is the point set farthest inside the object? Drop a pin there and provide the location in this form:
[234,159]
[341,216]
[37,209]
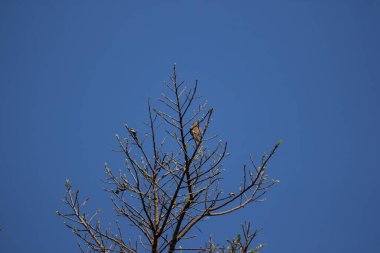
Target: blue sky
[307,72]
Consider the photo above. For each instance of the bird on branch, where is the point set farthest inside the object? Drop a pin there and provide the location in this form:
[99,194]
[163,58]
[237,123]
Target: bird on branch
[196,131]
[122,188]
[133,133]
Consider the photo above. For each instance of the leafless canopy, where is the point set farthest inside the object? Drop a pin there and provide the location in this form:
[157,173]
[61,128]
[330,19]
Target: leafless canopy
[171,182]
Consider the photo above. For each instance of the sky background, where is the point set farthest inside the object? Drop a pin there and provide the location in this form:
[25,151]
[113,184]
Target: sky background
[307,72]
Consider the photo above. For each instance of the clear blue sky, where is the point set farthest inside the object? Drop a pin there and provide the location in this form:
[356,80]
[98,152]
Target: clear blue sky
[307,72]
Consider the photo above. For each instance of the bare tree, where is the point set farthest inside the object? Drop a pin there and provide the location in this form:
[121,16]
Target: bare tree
[171,183]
